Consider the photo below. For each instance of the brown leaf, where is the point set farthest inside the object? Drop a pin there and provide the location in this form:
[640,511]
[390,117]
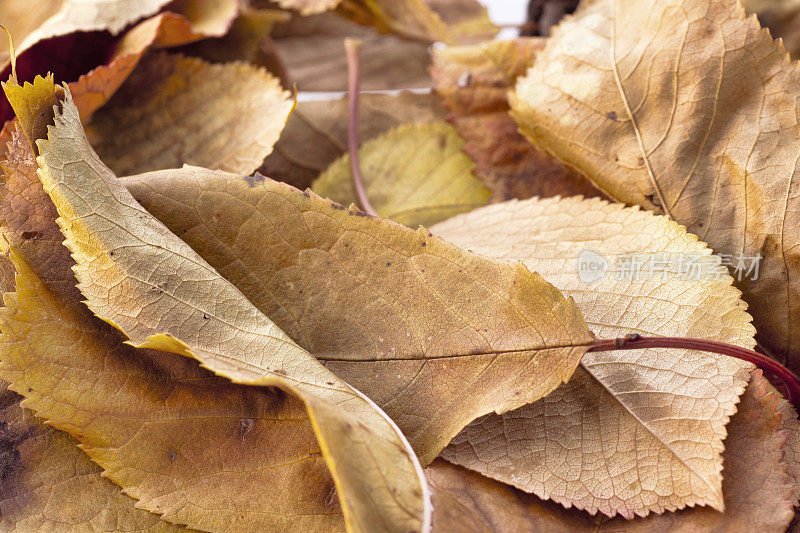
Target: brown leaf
[646,427]
[312,50]
[316,132]
[434,335]
[160,117]
[169,469]
[48,484]
[146,282]
[685,106]
[94,89]
[782,17]
[474,82]
[755,487]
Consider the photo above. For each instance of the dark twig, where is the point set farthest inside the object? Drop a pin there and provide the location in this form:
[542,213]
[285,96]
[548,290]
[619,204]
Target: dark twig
[352,48]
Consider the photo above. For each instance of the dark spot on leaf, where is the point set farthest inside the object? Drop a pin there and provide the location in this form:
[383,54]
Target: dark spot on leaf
[315,454]
[388,263]
[246,426]
[612,115]
[305,193]
[173,455]
[280,372]
[206,317]
[30,235]
[329,382]
[252,181]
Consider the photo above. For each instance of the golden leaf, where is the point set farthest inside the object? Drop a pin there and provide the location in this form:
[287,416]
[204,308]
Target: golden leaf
[160,117]
[633,431]
[199,20]
[755,488]
[165,464]
[316,132]
[474,82]
[685,106]
[50,485]
[150,285]
[414,174]
[434,335]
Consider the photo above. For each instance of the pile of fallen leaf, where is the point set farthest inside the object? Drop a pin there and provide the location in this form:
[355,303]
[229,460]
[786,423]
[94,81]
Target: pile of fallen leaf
[202,330]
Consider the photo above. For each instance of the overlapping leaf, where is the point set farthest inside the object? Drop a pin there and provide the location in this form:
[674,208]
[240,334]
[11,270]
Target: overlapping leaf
[474,82]
[312,50]
[133,431]
[49,484]
[782,17]
[161,117]
[434,335]
[145,281]
[316,132]
[755,487]
[646,427]
[415,174]
[686,107]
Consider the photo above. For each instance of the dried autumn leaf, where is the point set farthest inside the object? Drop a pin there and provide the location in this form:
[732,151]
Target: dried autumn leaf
[685,105]
[150,285]
[312,50]
[474,82]
[160,117]
[309,7]
[414,174]
[645,426]
[175,437]
[50,485]
[434,335]
[449,21]
[31,22]
[200,20]
[316,133]
[248,39]
[83,350]
[791,449]
[755,487]
[782,17]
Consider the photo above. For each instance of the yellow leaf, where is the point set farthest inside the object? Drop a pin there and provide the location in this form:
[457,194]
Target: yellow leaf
[449,21]
[434,335]
[645,426]
[755,488]
[175,437]
[414,174]
[474,82]
[50,485]
[685,106]
[149,284]
[175,110]
[316,132]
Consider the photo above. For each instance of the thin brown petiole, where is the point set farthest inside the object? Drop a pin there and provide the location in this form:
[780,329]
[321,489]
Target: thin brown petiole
[352,48]
[634,342]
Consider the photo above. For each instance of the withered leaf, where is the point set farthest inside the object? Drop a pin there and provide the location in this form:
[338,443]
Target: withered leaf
[686,107]
[434,335]
[316,132]
[312,50]
[160,117]
[474,82]
[146,282]
[646,427]
[48,484]
[755,487]
[414,174]
[782,17]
